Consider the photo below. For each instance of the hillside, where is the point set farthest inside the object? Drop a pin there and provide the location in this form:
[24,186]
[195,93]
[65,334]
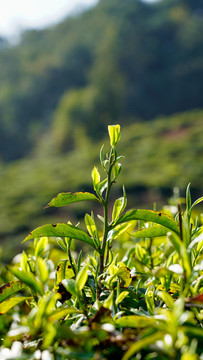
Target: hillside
[118,62]
[132,63]
[166,154]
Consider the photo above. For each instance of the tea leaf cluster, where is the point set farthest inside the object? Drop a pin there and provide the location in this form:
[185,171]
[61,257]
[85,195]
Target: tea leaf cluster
[137,294]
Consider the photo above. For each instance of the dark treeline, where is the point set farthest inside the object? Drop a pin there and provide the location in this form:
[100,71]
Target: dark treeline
[120,61]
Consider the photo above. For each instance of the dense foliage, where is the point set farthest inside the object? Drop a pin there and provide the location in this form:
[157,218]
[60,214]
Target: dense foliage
[138,294]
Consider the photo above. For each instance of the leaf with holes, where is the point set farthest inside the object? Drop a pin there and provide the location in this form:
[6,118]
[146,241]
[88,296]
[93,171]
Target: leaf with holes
[63,199]
[10,289]
[149,215]
[60,230]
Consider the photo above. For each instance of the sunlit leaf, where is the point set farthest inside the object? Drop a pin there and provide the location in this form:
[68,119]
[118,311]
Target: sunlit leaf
[136,321]
[114,134]
[62,245]
[167,299]
[102,186]
[109,301]
[8,304]
[42,270]
[197,240]
[150,215]
[10,289]
[64,271]
[28,279]
[24,262]
[60,230]
[124,275]
[96,178]
[63,199]
[118,205]
[40,245]
[154,231]
[61,313]
[188,197]
[196,202]
[121,297]
[90,224]
[175,240]
[117,231]
[70,286]
[82,278]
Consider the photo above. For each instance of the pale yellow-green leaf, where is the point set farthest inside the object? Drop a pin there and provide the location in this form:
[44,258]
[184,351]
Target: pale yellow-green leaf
[114,134]
[121,297]
[82,278]
[8,304]
[95,177]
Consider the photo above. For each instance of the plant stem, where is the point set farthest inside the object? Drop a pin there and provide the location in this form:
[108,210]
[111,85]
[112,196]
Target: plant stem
[70,257]
[106,224]
[180,221]
[150,252]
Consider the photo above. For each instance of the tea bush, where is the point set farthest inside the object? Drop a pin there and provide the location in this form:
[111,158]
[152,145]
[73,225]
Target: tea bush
[136,294]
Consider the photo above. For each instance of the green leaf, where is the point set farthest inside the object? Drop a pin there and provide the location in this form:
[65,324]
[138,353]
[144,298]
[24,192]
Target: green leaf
[91,227]
[28,279]
[117,231]
[150,215]
[175,240]
[150,232]
[11,302]
[118,206]
[188,197]
[114,134]
[42,270]
[121,296]
[96,178]
[135,321]
[125,200]
[108,303]
[82,278]
[10,289]
[196,202]
[124,275]
[63,199]
[193,331]
[140,252]
[60,230]
[197,240]
[142,344]
[70,286]
[64,271]
[102,159]
[62,245]
[167,298]
[116,170]
[24,262]
[61,313]
[40,245]
[102,186]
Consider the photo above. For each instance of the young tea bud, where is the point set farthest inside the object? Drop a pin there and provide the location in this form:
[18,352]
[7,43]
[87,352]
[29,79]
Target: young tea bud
[114,134]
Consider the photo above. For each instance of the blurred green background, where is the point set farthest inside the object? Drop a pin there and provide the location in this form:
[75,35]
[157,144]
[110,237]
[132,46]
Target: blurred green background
[130,62]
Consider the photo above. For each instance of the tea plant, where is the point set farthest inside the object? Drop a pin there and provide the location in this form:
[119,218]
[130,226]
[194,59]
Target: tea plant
[137,295]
